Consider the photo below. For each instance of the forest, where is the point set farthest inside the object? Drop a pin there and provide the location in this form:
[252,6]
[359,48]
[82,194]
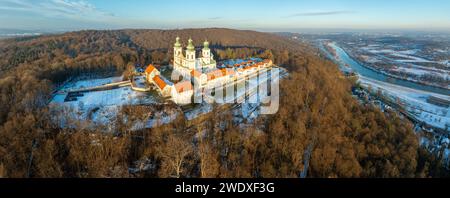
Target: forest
[320,130]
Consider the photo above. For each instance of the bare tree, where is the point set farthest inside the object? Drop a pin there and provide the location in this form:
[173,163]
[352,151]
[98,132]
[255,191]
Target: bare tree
[174,155]
[209,164]
[2,171]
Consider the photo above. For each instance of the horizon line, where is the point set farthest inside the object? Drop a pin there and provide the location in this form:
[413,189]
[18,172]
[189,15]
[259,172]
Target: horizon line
[261,29]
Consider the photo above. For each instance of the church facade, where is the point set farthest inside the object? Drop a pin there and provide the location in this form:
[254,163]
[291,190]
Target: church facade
[184,63]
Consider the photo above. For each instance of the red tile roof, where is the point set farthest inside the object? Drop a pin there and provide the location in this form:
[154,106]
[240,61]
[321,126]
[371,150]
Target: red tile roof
[149,69]
[183,86]
[226,72]
[214,74]
[159,82]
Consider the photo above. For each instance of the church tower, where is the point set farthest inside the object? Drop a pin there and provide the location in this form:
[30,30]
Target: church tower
[177,53]
[206,53]
[190,55]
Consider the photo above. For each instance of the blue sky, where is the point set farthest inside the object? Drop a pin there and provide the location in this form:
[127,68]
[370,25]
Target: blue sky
[239,14]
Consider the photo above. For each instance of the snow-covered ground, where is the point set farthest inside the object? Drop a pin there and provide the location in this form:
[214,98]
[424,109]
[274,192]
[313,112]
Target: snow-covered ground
[78,84]
[407,61]
[411,59]
[161,118]
[113,97]
[415,102]
[370,59]
[414,71]
[420,71]
[436,143]
[100,107]
[197,111]
[446,63]
[404,56]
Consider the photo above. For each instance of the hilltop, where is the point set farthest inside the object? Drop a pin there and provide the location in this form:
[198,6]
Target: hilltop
[319,130]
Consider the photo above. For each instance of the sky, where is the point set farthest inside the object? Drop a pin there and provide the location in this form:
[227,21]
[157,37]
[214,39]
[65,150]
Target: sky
[266,15]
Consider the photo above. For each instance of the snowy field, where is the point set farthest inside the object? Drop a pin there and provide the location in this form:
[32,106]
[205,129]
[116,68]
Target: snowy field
[406,61]
[420,70]
[78,84]
[415,102]
[402,56]
[100,107]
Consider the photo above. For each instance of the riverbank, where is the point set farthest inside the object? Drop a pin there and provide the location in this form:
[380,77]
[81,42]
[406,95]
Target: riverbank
[355,66]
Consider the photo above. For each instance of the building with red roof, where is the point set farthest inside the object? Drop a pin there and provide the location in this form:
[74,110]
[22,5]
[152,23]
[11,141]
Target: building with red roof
[151,72]
[162,85]
[213,75]
[182,92]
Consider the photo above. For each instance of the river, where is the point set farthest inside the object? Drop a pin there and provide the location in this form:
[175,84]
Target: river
[430,142]
[344,59]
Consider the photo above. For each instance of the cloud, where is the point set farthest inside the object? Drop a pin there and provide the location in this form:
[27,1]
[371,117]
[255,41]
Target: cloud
[74,9]
[325,13]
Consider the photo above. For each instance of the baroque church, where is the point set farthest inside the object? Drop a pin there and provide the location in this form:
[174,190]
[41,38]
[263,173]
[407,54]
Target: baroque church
[185,63]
